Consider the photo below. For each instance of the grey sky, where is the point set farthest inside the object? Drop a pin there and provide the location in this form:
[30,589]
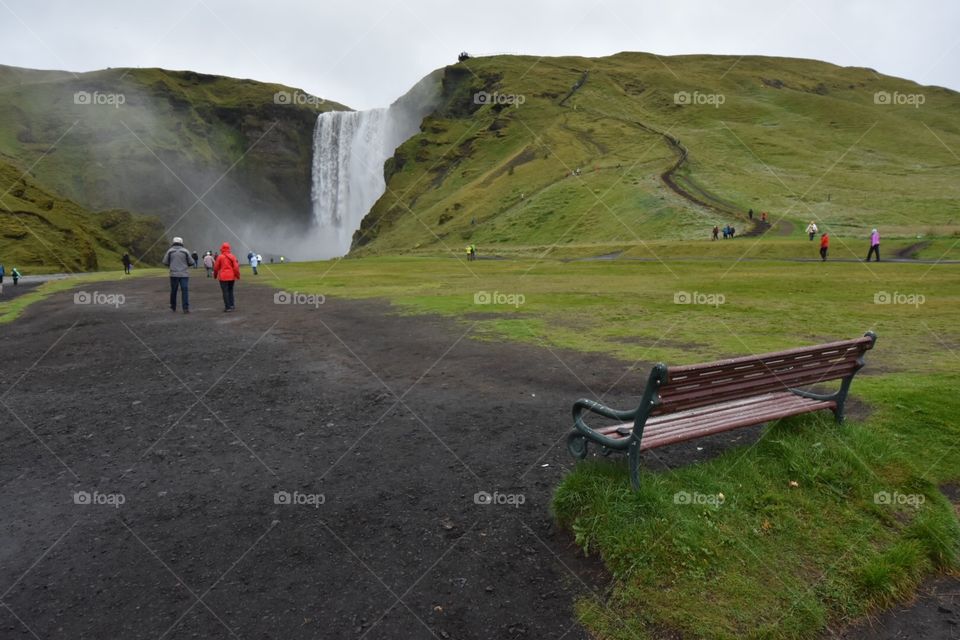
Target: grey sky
[366,53]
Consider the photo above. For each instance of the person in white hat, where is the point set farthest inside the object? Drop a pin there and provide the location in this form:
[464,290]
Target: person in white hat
[179,260]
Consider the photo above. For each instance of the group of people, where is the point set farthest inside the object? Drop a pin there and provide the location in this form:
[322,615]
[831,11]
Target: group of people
[728,232]
[225,268]
[471,251]
[13,274]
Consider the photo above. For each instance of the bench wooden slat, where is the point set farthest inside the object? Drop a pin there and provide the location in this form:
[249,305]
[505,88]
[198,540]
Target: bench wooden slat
[655,440]
[767,406]
[673,400]
[862,343]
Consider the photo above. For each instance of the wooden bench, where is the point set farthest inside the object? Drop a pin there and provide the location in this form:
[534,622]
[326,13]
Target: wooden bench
[693,401]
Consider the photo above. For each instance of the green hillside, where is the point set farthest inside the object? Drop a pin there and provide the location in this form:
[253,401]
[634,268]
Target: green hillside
[800,139]
[153,141]
[40,231]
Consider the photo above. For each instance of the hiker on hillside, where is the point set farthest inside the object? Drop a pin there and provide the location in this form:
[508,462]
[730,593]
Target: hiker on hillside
[126,263]
[716,231]
[750,214]
[227,270]
[733,231]
[208,264]
[824,246]
[179,260]
[874,245]
[2,273]
[812,230]
[254,262]
[15,275]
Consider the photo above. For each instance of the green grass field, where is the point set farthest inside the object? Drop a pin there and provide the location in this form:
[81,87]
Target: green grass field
[773,560]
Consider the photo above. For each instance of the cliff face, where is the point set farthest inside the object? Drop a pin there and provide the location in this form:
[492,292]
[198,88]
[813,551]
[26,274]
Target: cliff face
[41,231]
[213,158]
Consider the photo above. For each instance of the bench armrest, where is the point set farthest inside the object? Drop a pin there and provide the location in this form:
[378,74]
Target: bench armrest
[579,425]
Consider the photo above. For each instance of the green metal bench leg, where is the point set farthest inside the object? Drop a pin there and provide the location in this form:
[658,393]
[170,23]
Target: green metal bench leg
[633,459]
[577,445]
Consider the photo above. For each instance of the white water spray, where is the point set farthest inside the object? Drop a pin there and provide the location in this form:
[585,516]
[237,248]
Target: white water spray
[349,149]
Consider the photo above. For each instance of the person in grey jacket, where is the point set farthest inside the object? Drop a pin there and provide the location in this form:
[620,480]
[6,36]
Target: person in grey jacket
[179,260]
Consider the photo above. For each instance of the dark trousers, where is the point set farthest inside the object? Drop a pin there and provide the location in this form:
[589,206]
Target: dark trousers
[183,285]
[823,253]
[874,249]
[126,269]
[226,288]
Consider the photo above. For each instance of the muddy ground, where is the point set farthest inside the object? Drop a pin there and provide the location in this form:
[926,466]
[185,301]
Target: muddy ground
[288,471]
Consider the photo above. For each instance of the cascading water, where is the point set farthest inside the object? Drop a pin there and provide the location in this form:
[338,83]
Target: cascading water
[349,149]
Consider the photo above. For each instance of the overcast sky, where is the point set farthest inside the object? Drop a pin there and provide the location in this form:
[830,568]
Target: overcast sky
[366,53]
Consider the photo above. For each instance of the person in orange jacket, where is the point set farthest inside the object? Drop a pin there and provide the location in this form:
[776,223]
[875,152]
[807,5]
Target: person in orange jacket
[226,269]
[824,246]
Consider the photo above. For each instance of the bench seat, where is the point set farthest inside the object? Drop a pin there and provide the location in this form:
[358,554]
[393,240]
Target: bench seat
[705,421]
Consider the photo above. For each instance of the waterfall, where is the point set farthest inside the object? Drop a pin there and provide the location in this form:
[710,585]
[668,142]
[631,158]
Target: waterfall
[349,149]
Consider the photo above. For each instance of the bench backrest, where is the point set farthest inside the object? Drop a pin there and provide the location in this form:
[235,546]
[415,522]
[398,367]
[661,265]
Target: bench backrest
[698,385]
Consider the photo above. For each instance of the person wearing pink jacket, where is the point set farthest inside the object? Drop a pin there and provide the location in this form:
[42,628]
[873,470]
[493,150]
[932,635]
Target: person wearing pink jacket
[874,245]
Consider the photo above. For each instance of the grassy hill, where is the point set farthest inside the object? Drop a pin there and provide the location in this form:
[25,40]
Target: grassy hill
[153,141]
[667,147]
[41,231]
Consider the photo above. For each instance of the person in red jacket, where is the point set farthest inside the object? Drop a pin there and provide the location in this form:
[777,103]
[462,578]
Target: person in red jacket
[226,269]
[824,246]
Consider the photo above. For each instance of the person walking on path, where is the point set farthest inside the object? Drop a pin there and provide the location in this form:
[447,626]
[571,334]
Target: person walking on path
[179,260]
[812,230]
[196,260]
[750,213]
[227,270]
[126,263]
[15,275]
[254,261]
[2,273]
[716,232]
[824,246]
[208,264]
[874,245]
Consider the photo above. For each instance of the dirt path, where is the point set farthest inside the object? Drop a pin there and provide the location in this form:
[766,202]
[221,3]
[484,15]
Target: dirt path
[382,427]
[198,420]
